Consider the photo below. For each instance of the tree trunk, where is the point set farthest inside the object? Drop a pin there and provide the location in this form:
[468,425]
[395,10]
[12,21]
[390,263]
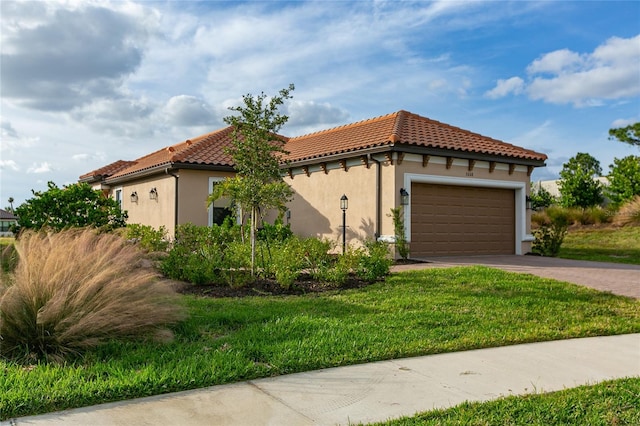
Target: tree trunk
[253,242]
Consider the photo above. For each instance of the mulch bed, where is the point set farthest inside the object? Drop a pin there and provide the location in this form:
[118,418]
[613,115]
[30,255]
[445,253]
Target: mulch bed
[265,287]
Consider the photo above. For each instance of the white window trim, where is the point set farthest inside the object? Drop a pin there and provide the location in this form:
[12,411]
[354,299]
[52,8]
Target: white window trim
[213,179]
[518,187]
[115,192]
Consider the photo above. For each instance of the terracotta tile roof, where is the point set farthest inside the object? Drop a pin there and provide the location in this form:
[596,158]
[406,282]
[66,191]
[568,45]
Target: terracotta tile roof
[207,150]
[400,128]
[107,170]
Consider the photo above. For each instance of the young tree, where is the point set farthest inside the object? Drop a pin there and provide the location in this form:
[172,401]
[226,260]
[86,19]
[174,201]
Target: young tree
[256,152]
[578,186]
[629,134]
[624,179]
[541,198]
[76,205]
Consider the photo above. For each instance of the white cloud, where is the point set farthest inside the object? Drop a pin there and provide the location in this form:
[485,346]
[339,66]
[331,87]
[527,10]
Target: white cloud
[59,56]
[503,88]
[610,72]
[9,164]
[44,167]
[186,110]
[624,122]
[557,62]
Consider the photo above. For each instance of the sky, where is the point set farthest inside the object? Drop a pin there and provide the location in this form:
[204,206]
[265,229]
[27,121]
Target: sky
[87,82]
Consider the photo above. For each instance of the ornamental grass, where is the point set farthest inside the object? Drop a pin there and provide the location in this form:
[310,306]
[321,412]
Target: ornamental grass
[75,289]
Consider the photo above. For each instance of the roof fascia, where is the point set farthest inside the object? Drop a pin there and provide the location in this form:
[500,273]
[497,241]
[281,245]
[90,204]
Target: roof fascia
[162,168]
[412,149]
[335,157]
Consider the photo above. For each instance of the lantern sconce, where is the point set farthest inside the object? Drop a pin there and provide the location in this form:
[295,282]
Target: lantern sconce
[528,203]
[134,197]
[153,194]
[404,197]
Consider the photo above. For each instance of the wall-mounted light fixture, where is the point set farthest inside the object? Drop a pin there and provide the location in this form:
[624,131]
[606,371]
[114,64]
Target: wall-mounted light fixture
[528,203]
[153,194]
[404,197]
[134,197]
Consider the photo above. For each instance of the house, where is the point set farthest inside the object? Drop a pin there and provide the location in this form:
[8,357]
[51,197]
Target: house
[465,193]
[6,220]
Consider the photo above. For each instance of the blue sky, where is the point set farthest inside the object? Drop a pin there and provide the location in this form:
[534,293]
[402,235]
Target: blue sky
[86,83]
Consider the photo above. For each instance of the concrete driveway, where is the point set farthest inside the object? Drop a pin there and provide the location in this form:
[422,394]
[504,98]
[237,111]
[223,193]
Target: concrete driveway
[616,278]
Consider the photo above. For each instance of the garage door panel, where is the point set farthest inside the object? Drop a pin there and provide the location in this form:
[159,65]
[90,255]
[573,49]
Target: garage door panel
[460,220]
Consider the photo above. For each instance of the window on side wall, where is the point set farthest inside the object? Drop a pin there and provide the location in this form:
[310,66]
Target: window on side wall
[220,209]
[118,197]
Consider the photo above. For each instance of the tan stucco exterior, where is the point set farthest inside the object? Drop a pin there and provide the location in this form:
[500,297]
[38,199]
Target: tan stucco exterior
[315,209]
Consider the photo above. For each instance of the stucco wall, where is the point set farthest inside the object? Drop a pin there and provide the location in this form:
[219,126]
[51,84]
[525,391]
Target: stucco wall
[192,193]
[315,209]
[146,211]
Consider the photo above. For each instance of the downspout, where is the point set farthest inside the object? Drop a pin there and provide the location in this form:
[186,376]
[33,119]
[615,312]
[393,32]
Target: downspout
[378,195]
[175,201]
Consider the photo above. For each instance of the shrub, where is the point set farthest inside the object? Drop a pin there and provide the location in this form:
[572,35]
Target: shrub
[276,232]
[629,213]
[200,253]
[549,237]
[374,261]
[147,237]
[402,245]
[75,289]
[595,216]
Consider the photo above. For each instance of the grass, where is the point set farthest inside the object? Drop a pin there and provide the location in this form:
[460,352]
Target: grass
[610,244]
[412,313]
[608,403]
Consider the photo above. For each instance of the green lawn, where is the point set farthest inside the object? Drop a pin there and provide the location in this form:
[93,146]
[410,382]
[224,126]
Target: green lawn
[413,313]
[608,403]
[621,245]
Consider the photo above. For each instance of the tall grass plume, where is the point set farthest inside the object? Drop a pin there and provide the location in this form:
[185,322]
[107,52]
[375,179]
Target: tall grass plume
[629,213]
[73,290]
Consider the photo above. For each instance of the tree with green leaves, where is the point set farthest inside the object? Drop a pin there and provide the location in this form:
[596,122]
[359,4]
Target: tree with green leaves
[578,184]
[541,198]
[76,205]
[256,151]
[624,179]
[629,134]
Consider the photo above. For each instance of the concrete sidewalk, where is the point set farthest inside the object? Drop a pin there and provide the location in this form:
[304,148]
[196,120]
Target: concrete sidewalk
[376,391]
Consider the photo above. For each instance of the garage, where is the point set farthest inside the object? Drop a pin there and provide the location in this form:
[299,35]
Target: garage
[449,220]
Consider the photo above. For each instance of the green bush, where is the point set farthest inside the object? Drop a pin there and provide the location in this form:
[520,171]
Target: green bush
[147,237]
[76,289]
[200,254]
[549,236]
[402,245]
[374,261]
[276,232]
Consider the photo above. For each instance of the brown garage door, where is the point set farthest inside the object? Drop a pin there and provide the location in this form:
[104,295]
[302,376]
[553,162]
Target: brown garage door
[461,220]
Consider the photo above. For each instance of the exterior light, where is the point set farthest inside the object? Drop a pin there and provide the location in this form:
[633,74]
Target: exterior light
[404,197]
[344,202]
[528,203]
[134,197]
[344,205]
[153,194]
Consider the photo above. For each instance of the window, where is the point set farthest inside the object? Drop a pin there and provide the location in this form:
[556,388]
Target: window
[118,196]
[220,209]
